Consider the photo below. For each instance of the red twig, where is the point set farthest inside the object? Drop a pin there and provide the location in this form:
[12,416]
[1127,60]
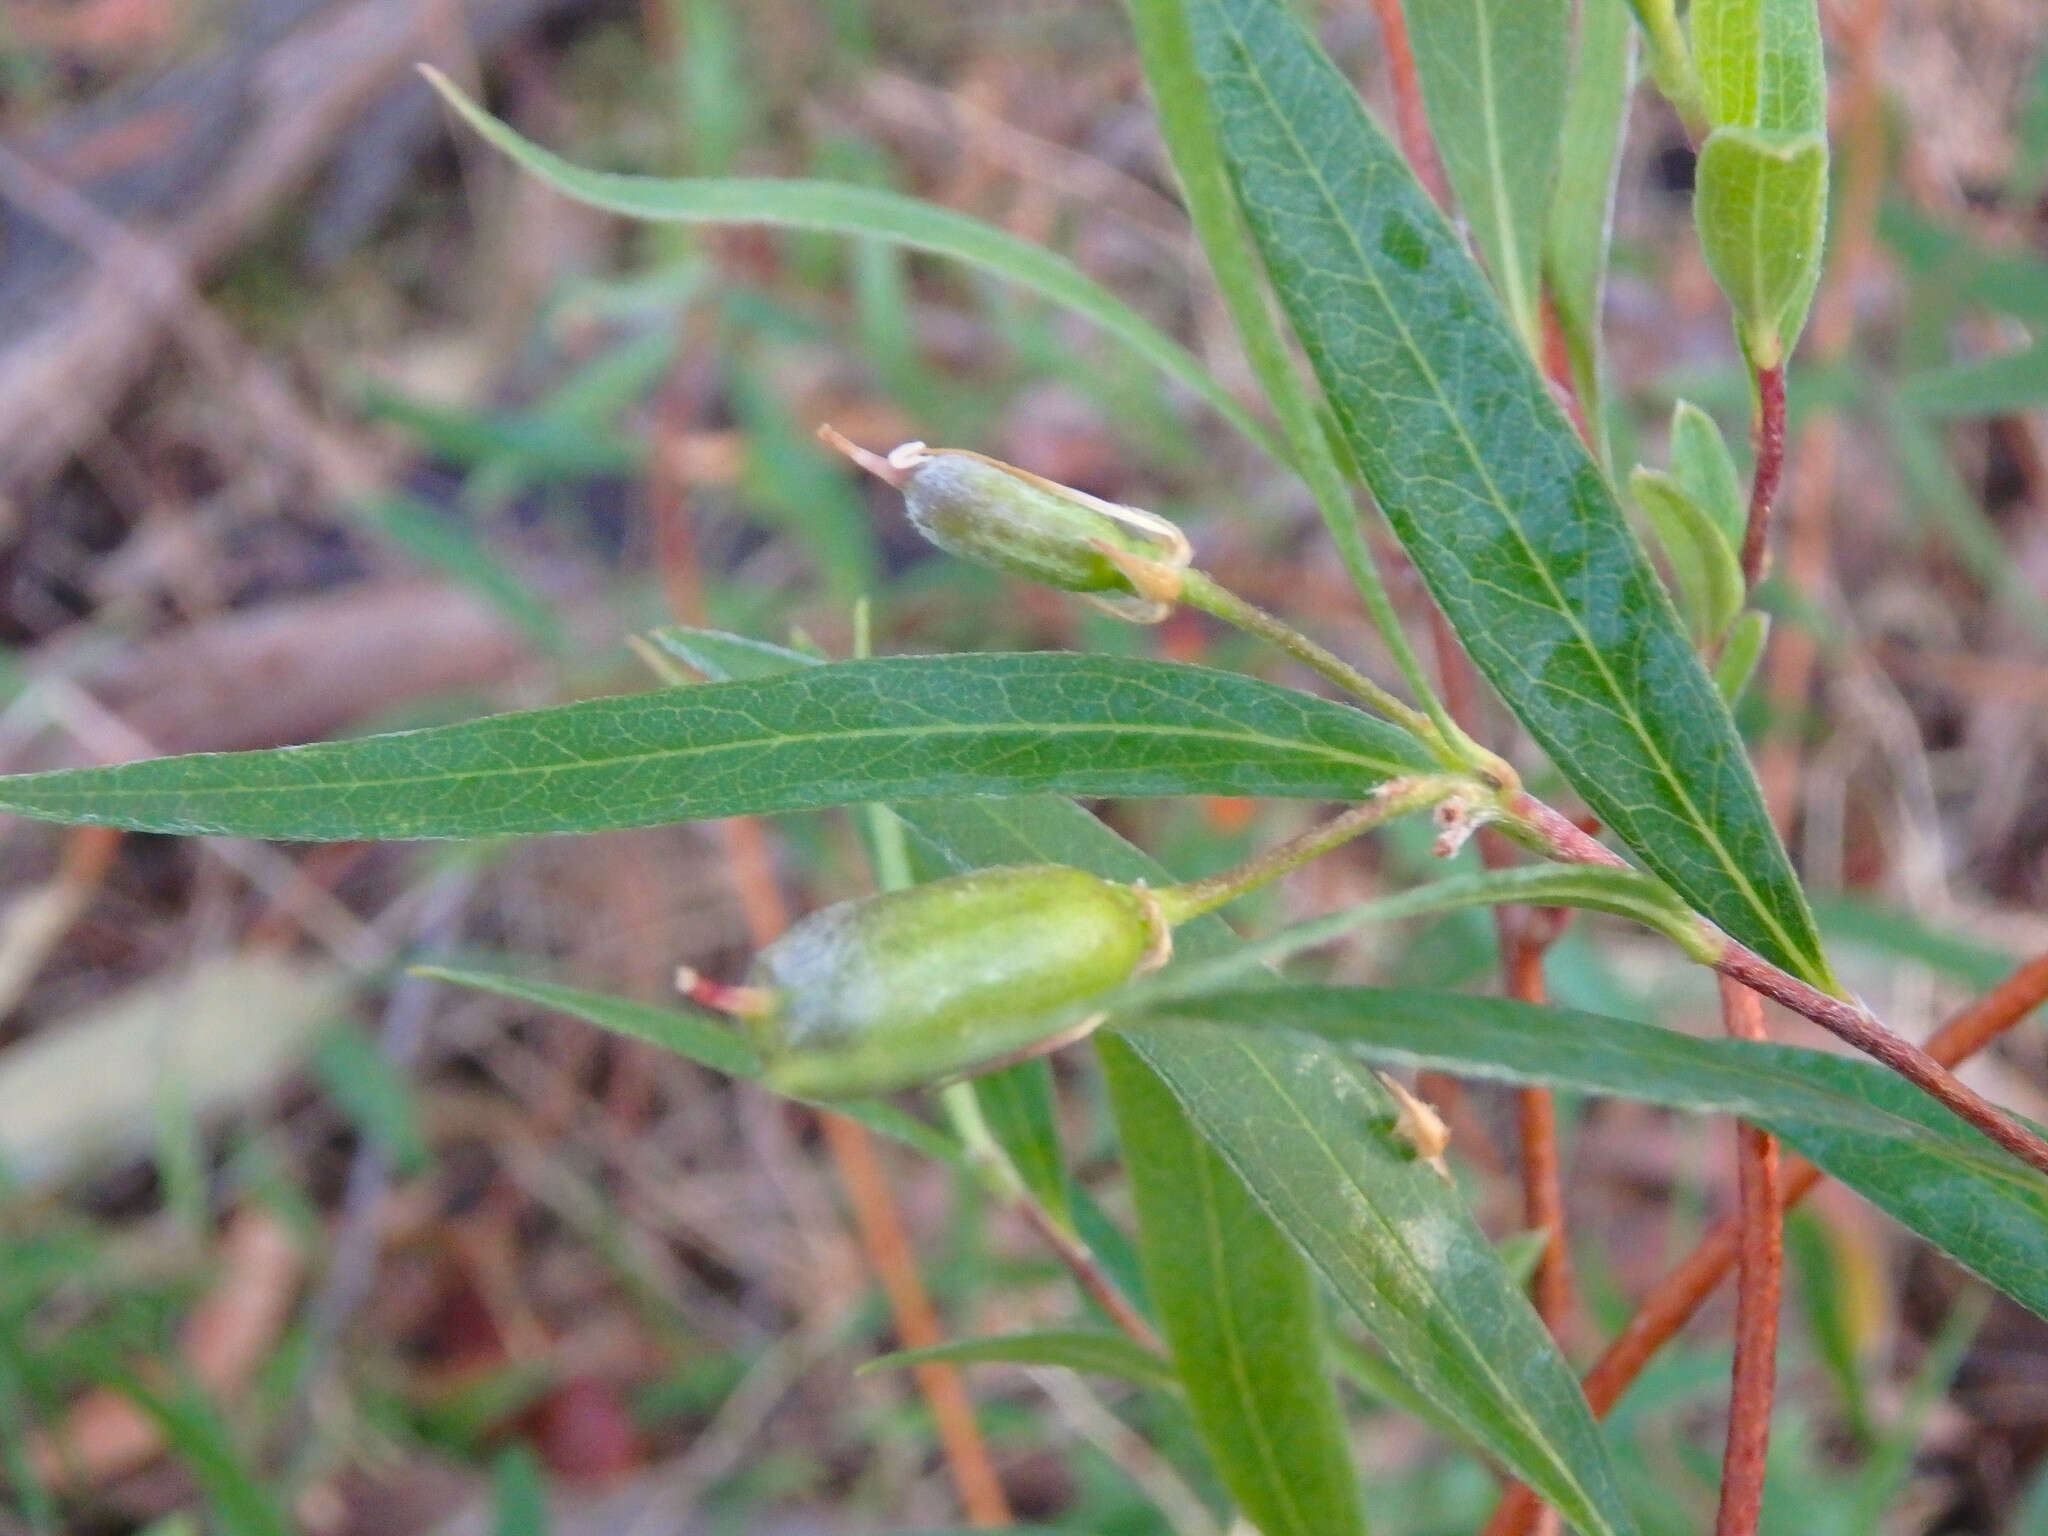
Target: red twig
[1851,1024]
[1542,1188]
[1760,1261]
[1411,120]
[1768,432]
[1671,1303]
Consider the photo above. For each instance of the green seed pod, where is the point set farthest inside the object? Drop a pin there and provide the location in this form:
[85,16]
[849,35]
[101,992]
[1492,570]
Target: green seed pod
[994,514]
[938,980]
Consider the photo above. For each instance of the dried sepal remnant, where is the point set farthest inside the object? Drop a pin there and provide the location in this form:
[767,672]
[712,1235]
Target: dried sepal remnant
[995,514]
[939,980]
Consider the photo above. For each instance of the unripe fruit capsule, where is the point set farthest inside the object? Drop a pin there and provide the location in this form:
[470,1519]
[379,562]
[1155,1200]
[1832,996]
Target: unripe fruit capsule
[998,515]
[939,980]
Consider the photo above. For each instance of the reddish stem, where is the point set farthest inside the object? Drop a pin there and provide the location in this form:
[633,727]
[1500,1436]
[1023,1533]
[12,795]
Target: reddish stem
[1411,119]
[1851,1024]
[1760,1260]
[1671,1303]
[1542,1187]
[1768,432]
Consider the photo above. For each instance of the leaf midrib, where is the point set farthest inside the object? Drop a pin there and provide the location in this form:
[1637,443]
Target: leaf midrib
[1627,711]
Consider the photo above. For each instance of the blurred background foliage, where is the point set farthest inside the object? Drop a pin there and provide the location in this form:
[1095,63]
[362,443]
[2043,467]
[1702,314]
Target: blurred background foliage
[315,419]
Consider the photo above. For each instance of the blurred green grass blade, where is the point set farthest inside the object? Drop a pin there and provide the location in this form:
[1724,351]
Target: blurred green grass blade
[440,542]
[1904,936]
[2009,282]
[1091,1352]
[373,1094]
[1495,75]
[899,728]
[519,1494]
[1393,1240]
[539,446]
[1579,229]
[1510,523]
[1829,1300]
[842,208]
[1938,491]
[789,474]
[1852,1118]
[199,1437]
[1242,1315]
[2001,385]
[707,1044]
[2027,177]
[36,1504]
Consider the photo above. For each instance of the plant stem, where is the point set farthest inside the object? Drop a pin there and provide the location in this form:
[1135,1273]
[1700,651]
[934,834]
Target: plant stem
[1536,1112]
[1671,64]
[991,1165]
[1760,1261]
[1670,1304]
[1396,797]
[1768,430]
[1848,1022]
[1454,749]
[1411,118]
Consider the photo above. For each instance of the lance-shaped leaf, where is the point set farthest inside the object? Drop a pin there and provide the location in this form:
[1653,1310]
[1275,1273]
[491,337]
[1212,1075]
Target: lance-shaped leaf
[848,209]
[1761,202]
[1494,76]
[1509,521]
[904,728]
[1580,227]
[1760,64]
[1710,588]
[1855,1120]
[1705,470]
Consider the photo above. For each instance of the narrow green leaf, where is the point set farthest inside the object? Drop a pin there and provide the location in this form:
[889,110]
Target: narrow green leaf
[1510,523]
[901,728]
[373,1093]
[1761,203]
[1710,585]
[1092,1352]
[1741,650]
[1308,1133]
[1705,470]
[1761,64]
[1999,385]
[519,1494]
[846,209]
[1939,492]
[1243,1318]
[1904,935]
[1580,227]
[686,1034]
[1494,77]
[433,537]
[1855,1120]
[1167,52]
[199,1436]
